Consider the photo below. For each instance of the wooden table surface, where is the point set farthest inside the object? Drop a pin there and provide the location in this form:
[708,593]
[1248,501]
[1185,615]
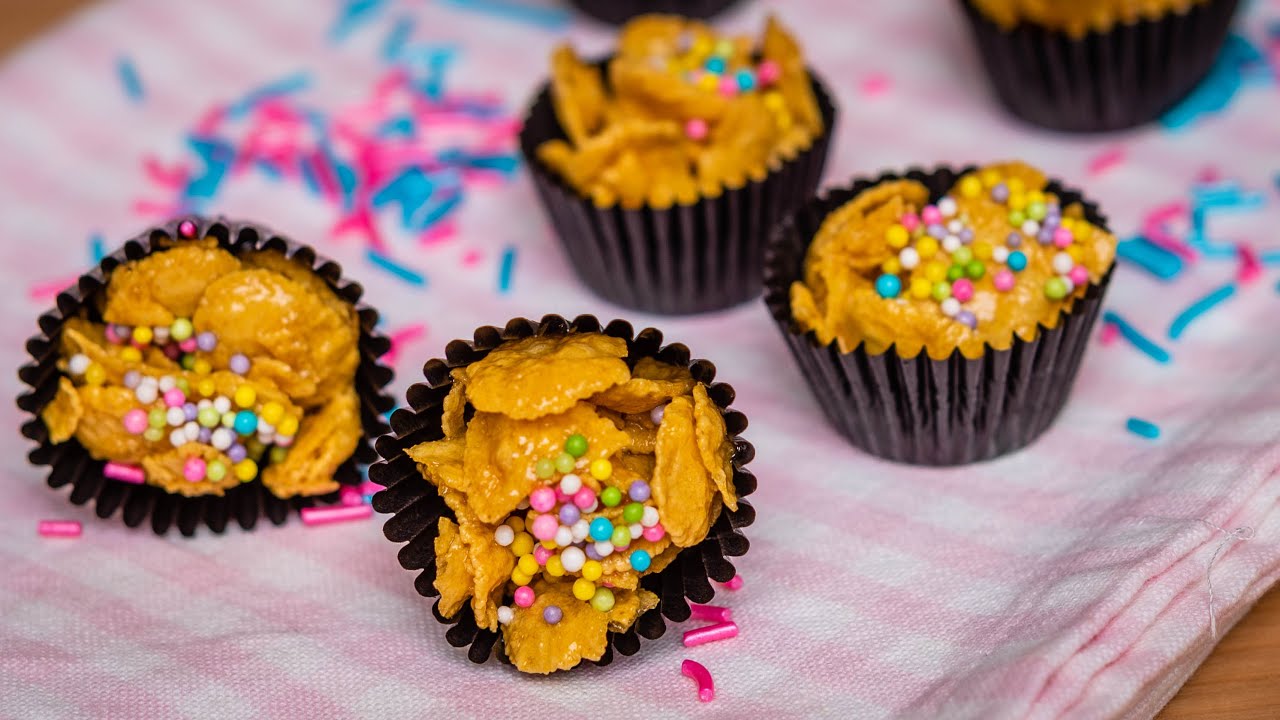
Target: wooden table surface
[1239,681]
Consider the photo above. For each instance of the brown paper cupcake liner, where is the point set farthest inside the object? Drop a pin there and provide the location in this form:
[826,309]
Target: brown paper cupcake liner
[1102,81]
[683,259]
[618,12]
[915,409]
[70,464]
[416,506]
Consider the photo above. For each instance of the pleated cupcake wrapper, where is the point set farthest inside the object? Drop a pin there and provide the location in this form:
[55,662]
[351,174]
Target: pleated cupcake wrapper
[683,259]
[618,12]
[1126,76]
[416,506]
[918,410]
[70,464]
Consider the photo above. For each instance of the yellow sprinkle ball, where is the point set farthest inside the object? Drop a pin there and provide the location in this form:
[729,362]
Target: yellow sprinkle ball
[95,374]
[892,266]
[592,570]
[522,545]
[935,272]
[970,186]
[1076,252]
[709,82]
[601,469]
[982,250]
[1035,196]
[549,544]
[990,177]
[142,335]
[897,236]
[1016,186]
[555,568]
[246,470]
[288,426]
[1017,201]
[202,367]
[206,387]
[927,247]
[584,590]
[528,565]
[131,354]
[519,577]
[245,396]
[272,411]
[516,523]
[920,288]
[773,101]
[701,47]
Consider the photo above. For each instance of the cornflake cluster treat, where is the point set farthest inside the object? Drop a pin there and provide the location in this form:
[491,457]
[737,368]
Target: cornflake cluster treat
[572,478]
[997,256]
[679,112]
[199,369]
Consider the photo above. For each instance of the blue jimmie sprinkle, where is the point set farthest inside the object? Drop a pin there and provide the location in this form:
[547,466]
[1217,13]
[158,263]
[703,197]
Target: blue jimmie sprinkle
[1198,308]
[1143,428]
[130,80]
[391,266]
[507,268]
[1136,338]
[1150,257]
[548,18]
[97,247]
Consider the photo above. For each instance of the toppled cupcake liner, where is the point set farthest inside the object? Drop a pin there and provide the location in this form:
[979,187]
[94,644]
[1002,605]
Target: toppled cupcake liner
[1126,76]
[686,258]
[70,464]
[618,12]
[918,410]
[416,506]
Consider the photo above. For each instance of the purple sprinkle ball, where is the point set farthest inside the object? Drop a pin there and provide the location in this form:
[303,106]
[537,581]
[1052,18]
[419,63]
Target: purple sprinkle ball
[206,341]
[569,513]
[552,614]
[239,364]
[966,318]
[236,453]
[638,491]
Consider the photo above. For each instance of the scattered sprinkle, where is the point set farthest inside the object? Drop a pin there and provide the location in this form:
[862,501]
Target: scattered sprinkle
[710,633]
[1198,308]
[130,80]
[875,84]
[50,289]
[714,613]
[549,18]
[97,248]
[1106,160]
[1143,428]
[391,266]
[401,337]
[350,495]
[1109,334]
[1238,62]
[699,674]
[324,515]
[1250,268]
[735,583]
[397,39]
[507,267]
[353,14]
[1136,338]
[59,528]
[1151,257]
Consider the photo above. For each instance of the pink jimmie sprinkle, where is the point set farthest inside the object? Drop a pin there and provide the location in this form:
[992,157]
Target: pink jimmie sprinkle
[124,473]
[167,177]
[50,289]
[471,258]
[735,583]
[1106,160]
[324,515]
[1153,228]
[875,84]
[1250,269]
[438,233]
[1109,333]
[1208,174]
[401,337]
[369,487]
[699,674]
[714,613]
[350,495]
[710,633]
[59,528]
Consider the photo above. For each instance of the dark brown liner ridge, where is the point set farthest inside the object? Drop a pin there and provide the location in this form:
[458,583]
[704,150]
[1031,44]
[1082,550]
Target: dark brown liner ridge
[618,12]
[918,410]
[69,462]
[416,507]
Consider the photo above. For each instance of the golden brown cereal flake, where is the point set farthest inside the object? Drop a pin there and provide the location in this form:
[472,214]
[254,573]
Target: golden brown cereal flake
[538,376]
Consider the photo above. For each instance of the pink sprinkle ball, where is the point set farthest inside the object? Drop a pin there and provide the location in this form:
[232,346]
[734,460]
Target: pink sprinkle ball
[1062,238]
[931,215]
[910,221]
[962,289]
[540,553]
[1004,281]
[135,421]
[768,72]
[655,533]
[1078,275]
[544,527]
[542,499]
[524,596]
[728,86]
[187,228]
[584,498]
[193,469]
[112,336]
[188,345]
[695,128]
[174,397]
